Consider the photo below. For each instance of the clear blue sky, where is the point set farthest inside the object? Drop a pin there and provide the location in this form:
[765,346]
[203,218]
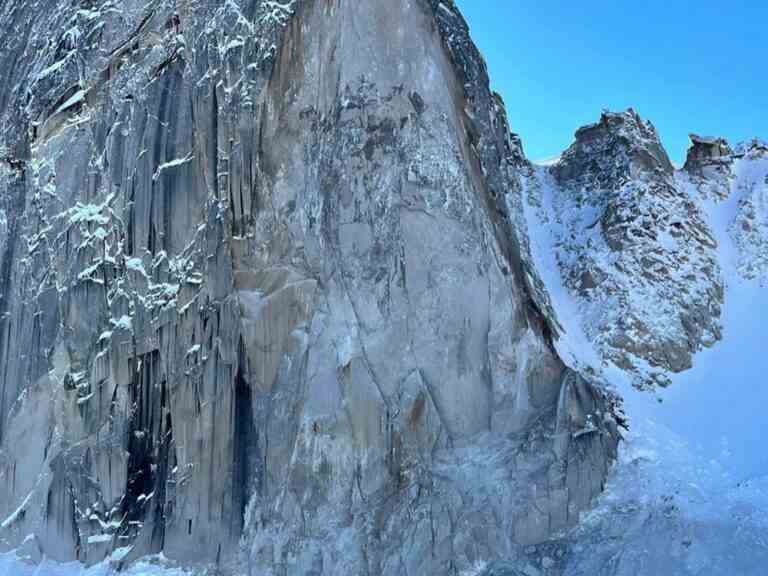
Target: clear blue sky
[687,65]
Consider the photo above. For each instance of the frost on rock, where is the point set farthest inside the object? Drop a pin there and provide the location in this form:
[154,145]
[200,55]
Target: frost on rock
[256,279]
[275,13]
[633,249]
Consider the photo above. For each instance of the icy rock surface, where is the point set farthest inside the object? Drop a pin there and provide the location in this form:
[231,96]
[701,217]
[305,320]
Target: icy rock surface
[266,299]
[633,248]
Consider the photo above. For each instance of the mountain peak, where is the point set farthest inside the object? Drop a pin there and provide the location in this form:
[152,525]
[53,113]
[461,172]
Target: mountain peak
[619,146]
[629,230]
[627,123]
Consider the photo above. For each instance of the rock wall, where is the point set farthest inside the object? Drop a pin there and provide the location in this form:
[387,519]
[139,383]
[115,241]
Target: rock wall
[265,297]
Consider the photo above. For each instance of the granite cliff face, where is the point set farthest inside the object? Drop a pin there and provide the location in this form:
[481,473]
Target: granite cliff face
[266,297]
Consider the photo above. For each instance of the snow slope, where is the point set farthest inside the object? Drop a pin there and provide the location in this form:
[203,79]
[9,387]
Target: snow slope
[690,492]
[11,565]
[719,404]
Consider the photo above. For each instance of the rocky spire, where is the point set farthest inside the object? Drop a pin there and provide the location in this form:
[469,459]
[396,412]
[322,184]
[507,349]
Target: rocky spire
[623,145]
[709,165]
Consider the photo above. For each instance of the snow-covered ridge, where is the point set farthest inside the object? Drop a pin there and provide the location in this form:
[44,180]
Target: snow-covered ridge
[643,253]
[689,494]
[632,246]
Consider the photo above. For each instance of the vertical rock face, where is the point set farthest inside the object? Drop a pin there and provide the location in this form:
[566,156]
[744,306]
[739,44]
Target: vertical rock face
[263,280]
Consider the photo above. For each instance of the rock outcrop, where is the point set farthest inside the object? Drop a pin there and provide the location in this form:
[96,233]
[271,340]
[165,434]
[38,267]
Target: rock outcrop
[634,240]
[709,163]
[265,294]
[633,247]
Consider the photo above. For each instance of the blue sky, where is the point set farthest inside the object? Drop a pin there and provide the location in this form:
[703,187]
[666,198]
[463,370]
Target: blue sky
[688,66]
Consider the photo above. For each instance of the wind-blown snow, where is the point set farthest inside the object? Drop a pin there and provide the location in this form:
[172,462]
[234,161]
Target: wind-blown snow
[668,510]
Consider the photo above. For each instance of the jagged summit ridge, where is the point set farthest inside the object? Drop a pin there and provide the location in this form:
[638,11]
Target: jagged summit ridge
[633,248]
[635,243]
[625,138]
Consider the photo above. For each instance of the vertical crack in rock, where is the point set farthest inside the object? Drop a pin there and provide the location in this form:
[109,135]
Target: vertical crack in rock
[150,454]
[246,451]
